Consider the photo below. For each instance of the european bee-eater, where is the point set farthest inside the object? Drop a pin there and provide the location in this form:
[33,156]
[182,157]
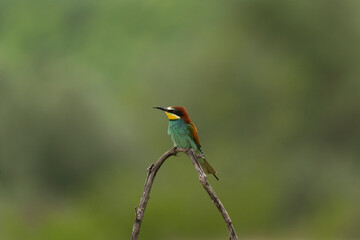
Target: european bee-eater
[184,134]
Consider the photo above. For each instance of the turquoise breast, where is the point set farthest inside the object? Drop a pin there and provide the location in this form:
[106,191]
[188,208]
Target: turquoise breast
[181,135]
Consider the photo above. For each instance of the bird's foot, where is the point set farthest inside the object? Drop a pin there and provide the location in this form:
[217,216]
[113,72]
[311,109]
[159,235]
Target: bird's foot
[175,148]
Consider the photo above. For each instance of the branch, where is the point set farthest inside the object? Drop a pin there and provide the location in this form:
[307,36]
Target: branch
[154,168]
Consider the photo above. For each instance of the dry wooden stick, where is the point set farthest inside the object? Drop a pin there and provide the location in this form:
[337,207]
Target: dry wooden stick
[153,169]
[139,212]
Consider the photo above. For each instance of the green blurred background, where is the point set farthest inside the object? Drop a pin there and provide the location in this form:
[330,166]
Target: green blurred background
[273,87]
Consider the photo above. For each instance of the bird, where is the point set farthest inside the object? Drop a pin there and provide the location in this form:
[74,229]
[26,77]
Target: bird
[184,134]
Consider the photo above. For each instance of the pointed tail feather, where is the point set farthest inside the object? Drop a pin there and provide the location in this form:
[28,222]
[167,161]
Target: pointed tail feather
[208,169]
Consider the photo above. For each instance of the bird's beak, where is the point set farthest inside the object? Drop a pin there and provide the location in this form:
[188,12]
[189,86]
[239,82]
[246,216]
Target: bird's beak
[161,108]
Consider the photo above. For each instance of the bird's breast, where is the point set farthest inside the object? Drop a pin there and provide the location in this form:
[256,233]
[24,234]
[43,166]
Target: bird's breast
[179,133]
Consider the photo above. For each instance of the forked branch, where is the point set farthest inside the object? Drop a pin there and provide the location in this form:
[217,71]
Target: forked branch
[154,168]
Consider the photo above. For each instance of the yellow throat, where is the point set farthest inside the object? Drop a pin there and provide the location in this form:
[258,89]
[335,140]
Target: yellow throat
[172,116]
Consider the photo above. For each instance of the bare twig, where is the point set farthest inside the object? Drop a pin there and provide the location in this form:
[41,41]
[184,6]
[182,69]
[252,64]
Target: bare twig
[153,169]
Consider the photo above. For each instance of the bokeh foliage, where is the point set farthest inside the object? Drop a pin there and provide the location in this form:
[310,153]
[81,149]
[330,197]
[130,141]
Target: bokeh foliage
[273,87]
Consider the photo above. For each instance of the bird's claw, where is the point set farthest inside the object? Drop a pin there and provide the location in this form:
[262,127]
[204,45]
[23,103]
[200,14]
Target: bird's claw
[174,148]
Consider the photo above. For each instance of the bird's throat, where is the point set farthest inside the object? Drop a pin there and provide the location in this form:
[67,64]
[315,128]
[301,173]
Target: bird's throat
[172,116]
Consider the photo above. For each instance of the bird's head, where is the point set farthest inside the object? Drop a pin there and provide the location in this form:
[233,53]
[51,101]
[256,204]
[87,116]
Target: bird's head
[175,113]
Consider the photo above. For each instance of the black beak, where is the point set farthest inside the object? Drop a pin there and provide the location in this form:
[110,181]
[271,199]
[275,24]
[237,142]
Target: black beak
[161,108]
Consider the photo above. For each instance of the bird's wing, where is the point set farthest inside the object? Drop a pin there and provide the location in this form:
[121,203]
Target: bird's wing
[194,134]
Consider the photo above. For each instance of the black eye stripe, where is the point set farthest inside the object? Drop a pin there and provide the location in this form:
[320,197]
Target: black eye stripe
[175,112]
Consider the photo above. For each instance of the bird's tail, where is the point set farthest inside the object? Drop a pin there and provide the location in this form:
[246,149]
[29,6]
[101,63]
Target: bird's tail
[208,169]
